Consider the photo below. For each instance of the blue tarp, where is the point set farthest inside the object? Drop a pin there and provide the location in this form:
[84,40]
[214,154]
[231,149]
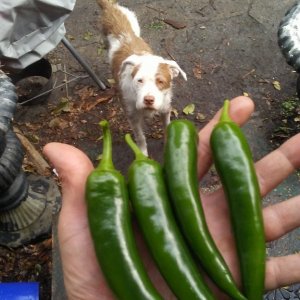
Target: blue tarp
[19,291]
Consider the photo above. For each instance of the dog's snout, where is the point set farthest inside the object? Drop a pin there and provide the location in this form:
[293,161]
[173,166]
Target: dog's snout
[149,100]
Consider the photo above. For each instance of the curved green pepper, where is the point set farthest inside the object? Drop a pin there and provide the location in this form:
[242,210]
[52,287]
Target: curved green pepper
[180,167]
[110,226]
[234,164]
[148,194]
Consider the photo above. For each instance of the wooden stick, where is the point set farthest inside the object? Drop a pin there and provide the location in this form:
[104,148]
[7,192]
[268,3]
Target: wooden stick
[37,159]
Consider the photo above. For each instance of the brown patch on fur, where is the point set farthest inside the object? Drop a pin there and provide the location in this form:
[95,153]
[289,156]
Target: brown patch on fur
[114,22]
[104,3]
[135,70]
[133,45]
[163,77]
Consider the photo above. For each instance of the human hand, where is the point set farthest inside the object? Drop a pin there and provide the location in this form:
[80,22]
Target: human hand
[82,275]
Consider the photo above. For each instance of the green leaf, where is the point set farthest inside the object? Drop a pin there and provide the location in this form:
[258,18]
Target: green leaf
[189,109]
[87,36]
[63,106]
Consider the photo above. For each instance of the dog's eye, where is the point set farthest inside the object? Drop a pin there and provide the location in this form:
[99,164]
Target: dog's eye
[140,80]
[160,81]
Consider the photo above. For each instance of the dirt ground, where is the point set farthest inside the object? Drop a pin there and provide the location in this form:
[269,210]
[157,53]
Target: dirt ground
[227,48]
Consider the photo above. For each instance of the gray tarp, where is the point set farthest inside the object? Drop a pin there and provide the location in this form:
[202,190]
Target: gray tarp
[29,29]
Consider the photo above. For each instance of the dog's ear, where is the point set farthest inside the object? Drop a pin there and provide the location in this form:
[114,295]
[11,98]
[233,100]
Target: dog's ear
[132,60]
[175,69]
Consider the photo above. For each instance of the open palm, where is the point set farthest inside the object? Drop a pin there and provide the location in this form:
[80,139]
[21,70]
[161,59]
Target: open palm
[82,275]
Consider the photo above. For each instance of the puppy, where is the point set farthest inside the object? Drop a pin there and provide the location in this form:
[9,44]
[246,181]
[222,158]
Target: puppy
[144,80]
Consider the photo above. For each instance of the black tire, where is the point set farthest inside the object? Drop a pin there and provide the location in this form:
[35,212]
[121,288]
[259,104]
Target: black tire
[287,40]
[10,161]
[2,142]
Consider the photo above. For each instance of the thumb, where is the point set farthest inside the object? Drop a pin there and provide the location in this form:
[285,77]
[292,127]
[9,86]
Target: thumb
[72,166]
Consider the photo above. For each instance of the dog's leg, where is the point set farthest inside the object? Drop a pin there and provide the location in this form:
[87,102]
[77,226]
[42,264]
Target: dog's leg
[165,118]
[136,122]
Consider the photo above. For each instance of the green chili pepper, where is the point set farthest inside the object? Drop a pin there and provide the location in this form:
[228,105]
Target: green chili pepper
[110,225]
[180,166]
[148,194]
[234,164]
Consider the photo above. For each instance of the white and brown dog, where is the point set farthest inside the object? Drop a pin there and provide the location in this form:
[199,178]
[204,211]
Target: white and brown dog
[144,80]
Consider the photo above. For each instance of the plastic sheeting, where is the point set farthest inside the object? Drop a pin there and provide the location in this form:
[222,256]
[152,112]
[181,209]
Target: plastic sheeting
[30,29]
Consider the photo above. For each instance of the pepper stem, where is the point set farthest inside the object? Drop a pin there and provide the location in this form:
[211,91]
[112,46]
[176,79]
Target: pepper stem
[225,112]
[139,155]
[106,162]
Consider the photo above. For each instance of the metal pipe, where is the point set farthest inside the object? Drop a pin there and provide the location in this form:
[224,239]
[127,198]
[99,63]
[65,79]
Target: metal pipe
[88,69]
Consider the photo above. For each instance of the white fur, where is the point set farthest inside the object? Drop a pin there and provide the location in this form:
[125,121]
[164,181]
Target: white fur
[132,19]
[135,90]
[114,45]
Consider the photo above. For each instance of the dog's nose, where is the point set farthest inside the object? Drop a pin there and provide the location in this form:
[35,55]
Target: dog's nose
[149,100]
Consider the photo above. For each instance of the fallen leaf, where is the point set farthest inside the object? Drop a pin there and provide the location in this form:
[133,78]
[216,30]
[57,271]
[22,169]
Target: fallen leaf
[197,71]
[87,35]
[277,85]
[189,109]
[70,37]
[63,106]
[112,114]
[174,111]
[33,138]
[85,92]
[200,117]
[91,102]
[175,24]
[111,81]
[58,123]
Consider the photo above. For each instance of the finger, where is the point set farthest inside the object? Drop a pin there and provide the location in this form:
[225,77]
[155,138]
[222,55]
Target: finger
[278,165]
[240,111]
[282,271]
[73,167]
[281,218]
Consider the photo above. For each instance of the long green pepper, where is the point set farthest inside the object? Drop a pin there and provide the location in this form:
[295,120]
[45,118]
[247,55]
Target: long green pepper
[110,226]
[180,167]
[234,164]
[148,195]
